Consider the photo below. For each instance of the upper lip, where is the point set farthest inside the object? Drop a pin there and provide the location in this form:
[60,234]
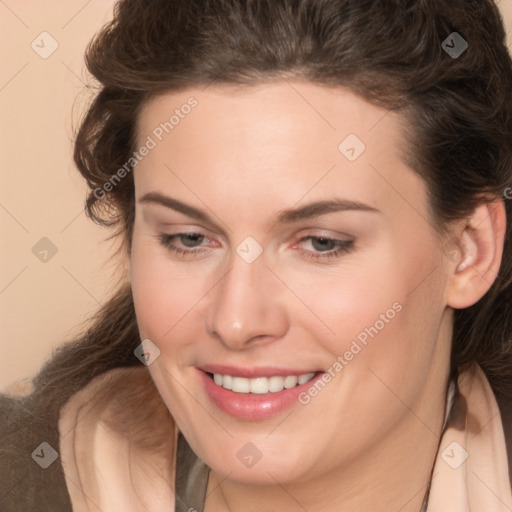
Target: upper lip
[252,372]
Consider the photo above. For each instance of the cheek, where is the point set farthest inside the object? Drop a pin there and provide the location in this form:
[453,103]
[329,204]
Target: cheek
[167,297]
[382,313]
[346,301]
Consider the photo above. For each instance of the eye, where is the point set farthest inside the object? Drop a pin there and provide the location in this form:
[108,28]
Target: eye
[193,244]
[184,243]
[325,248]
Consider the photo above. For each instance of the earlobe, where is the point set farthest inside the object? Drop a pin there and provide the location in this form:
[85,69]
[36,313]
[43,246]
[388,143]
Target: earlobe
[481,248]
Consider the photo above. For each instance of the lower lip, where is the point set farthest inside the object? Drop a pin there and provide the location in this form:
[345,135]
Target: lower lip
[252,406]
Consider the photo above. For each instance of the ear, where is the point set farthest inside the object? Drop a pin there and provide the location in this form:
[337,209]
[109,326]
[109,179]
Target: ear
[479,242]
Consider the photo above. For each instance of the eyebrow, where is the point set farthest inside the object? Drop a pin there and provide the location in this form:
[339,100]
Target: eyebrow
[288,216]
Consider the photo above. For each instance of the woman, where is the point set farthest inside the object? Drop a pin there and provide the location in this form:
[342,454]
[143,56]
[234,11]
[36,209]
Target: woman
[313,198]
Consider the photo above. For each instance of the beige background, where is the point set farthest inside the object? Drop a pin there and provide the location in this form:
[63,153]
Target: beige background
[43,303]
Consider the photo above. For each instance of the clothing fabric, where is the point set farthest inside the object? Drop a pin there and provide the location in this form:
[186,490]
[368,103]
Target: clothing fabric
[471,469]
[113,458]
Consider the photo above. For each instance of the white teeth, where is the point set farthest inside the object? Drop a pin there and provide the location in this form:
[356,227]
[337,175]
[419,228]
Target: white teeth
[275,384]
[304,378]
[290,381]
[260,385]
[240,385]
[227,381]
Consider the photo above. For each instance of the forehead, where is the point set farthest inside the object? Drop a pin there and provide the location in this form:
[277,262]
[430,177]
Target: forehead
[286,139]
[294,108]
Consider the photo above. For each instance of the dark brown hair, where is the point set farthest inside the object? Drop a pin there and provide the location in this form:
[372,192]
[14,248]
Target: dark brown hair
[458,113]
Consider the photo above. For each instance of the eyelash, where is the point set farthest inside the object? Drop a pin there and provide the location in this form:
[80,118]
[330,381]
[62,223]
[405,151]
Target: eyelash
[342,246]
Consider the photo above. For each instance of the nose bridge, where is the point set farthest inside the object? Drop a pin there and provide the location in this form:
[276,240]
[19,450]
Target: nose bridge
[246,305]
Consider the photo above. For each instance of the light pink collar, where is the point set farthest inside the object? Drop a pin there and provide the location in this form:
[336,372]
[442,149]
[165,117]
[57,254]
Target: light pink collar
[471,469]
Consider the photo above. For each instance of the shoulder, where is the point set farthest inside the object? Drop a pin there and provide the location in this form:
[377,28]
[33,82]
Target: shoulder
[117,443]
[28,482]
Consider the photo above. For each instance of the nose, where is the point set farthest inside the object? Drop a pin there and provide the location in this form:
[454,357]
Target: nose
[246,306]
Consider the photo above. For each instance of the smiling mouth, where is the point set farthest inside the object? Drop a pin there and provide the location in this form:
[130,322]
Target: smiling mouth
[260,385]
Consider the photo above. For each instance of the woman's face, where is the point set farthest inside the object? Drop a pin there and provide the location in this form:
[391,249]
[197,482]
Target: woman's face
[270,243]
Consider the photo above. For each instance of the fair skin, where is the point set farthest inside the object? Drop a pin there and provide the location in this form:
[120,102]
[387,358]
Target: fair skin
[368,440]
